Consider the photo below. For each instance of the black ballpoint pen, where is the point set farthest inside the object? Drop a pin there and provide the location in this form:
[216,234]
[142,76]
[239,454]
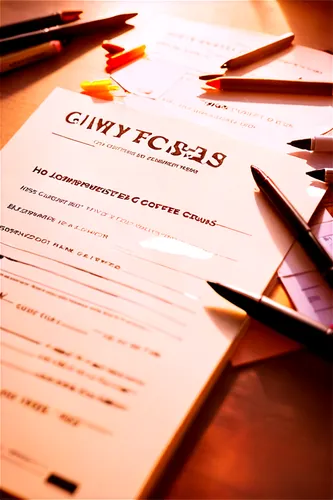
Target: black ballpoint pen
[296,223]
[62,32]
[317,337]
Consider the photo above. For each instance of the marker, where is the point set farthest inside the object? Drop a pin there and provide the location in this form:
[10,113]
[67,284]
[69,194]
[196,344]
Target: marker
[241,84]
[296,224]
[62,32]
[322,144]
[252,56]
[312,334]
[323,174]
[15,60]
[124,57]
[66,16]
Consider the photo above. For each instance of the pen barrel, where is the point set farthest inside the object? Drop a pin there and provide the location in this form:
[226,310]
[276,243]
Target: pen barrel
[62,32]
[14,60]
[25,40]
[302,329]
[276,86]
[29,25]
[322,144]
[329,176]
[261,52]
[300,229]
[317,254]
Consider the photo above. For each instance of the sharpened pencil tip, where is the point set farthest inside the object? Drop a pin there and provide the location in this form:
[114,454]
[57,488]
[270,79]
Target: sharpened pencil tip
[214,83]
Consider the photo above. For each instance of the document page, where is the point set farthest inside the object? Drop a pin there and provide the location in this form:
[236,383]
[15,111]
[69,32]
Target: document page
[179,51]
[307,289]
[111,222]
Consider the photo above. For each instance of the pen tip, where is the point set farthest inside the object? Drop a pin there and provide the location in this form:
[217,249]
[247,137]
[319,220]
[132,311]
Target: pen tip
[229,293]
[218,288]
[258,174]
[224,66]
[212,284]
[300,143]
[315,174]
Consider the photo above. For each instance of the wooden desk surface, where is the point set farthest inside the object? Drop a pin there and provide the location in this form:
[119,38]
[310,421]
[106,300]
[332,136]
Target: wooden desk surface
[266,429]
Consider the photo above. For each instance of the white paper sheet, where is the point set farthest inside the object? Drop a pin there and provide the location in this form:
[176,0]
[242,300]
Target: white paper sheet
[182,50]
[307,289]
[110,333]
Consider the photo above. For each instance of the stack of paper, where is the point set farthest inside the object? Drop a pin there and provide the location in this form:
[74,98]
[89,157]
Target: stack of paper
[180,51]
[111,223]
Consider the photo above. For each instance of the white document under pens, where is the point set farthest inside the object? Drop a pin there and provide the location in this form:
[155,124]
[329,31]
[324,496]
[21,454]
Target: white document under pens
[307,289]
[111,222]
[180,51]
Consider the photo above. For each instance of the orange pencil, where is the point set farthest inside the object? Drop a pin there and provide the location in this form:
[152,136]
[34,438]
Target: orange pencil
[124,57]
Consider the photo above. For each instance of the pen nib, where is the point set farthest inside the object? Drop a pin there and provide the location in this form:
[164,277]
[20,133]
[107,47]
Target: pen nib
[227,292]
[316,174]
[257,173]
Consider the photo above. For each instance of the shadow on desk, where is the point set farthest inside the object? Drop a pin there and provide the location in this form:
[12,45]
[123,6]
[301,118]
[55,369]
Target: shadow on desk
[21,78]
[264,433]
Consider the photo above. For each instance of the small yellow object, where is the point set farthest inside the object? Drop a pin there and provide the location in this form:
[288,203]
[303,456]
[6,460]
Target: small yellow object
[102,94]
[98,86]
